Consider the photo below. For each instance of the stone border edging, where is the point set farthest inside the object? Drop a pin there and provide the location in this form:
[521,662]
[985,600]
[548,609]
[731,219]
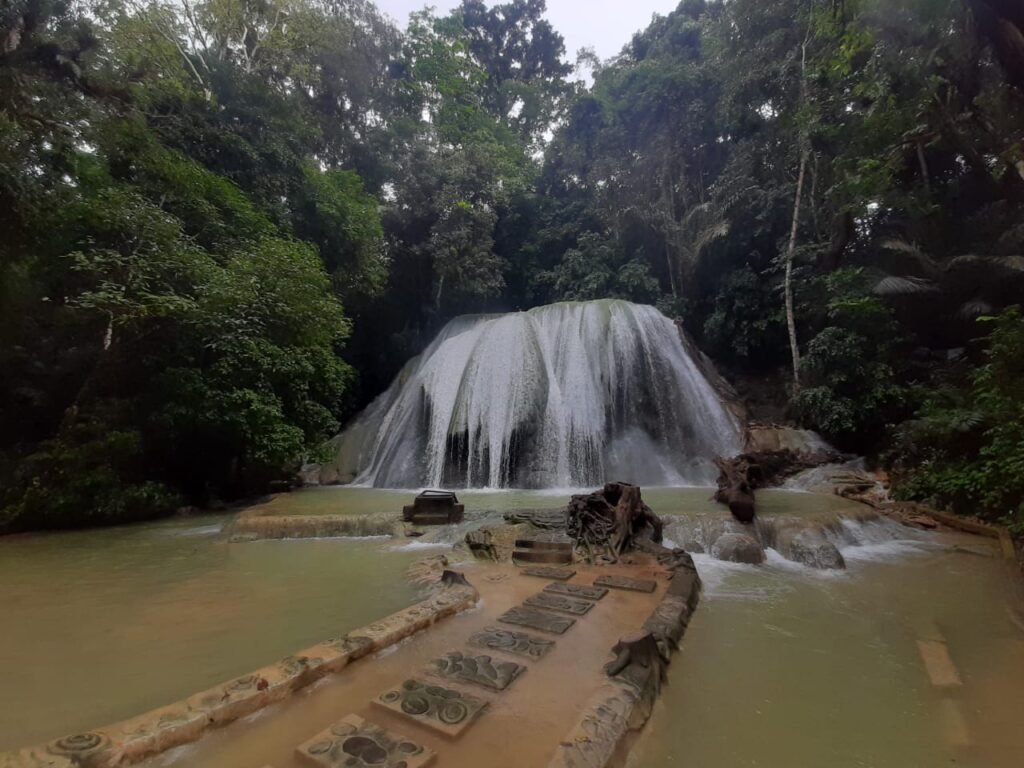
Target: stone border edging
[185,721]
[957,522]
[624,703]
[977,527]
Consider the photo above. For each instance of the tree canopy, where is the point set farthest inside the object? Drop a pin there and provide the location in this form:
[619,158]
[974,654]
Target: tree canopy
[228,223]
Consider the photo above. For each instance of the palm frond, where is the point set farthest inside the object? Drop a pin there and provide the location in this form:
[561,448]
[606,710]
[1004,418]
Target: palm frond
[974,308]
[1007,265]
[910,258]
[895,285]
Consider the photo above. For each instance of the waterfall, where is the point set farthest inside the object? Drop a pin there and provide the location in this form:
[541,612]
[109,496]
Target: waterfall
[565,395]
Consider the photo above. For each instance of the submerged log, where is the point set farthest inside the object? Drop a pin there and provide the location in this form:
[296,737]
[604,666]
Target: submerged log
[741,475]
[606,523]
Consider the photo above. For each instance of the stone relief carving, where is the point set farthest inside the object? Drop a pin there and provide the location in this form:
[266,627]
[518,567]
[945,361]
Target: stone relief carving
[509,641]
[581,591]
[548,572]
[560,603]
[480,670]
[526,616]
[624,582]
[354,743]
[443,709]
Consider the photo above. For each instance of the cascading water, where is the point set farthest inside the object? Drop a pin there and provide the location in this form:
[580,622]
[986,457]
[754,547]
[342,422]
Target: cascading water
[566,395]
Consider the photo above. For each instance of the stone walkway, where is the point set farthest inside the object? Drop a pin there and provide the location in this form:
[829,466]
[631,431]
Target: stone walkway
[454,691]
[497,686]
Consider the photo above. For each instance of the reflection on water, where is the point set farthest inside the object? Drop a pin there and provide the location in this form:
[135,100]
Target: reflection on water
[102,625]
[784,666]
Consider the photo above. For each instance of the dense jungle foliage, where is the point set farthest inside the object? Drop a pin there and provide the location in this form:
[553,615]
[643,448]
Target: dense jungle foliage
[227,223]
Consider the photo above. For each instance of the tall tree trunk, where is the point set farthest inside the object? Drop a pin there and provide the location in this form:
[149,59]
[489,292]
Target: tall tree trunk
[794,348]
[1002,23]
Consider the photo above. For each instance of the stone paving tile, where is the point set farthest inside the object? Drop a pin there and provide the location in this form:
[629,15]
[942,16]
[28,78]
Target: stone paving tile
[560,603]
[544,572]
[624,582]
[510,641]
[581,591]
[482,670]
[354,743]
[525,616]
[443,709]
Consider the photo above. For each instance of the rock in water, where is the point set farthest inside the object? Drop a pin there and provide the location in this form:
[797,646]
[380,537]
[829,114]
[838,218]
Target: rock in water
[741,475]
[738,548]
[808,547]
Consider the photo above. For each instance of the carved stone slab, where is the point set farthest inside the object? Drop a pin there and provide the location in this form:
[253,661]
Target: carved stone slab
[479,670]
[526,616]
[561,574]
[560,603]
[442,709]
[624,582]
[354,743]
[510,641]
[581,591]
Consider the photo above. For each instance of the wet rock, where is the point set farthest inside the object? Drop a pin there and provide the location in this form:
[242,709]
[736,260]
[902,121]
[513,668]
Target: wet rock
[738,548]
[809,547]
[494,542]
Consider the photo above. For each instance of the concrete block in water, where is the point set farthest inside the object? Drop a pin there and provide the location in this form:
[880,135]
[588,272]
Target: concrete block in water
[938,664]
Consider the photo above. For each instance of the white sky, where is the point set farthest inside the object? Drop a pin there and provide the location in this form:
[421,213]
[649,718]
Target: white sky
[605,25]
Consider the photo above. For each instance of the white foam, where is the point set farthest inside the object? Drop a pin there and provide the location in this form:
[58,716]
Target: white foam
[558,397]
[415,546]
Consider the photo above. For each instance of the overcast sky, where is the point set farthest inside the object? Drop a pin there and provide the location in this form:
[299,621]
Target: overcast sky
[605,25]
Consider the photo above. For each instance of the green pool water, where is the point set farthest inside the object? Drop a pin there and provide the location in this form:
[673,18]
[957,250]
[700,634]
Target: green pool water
[102,625]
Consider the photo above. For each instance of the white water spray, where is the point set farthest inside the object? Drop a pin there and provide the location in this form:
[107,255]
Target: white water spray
[566,395]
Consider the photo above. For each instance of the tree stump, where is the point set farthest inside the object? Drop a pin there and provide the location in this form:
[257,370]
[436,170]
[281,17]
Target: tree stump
[606,523]
[741,475]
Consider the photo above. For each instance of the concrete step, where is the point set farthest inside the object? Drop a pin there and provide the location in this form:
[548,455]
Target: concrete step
[534,555]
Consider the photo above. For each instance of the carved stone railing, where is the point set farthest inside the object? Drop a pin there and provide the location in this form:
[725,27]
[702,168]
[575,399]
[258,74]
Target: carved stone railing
[621,707]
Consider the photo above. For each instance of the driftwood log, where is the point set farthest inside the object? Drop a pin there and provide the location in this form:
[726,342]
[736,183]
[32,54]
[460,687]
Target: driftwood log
[608,522]
[741,475]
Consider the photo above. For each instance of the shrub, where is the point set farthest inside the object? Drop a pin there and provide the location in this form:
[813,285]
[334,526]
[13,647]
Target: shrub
[965,449]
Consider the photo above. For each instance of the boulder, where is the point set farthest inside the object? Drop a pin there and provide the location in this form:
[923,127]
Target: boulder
[738,548]
[809,547]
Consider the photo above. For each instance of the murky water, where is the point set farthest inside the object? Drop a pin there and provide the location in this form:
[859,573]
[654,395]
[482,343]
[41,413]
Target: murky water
[783,666]
[102,625]
[520,727]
